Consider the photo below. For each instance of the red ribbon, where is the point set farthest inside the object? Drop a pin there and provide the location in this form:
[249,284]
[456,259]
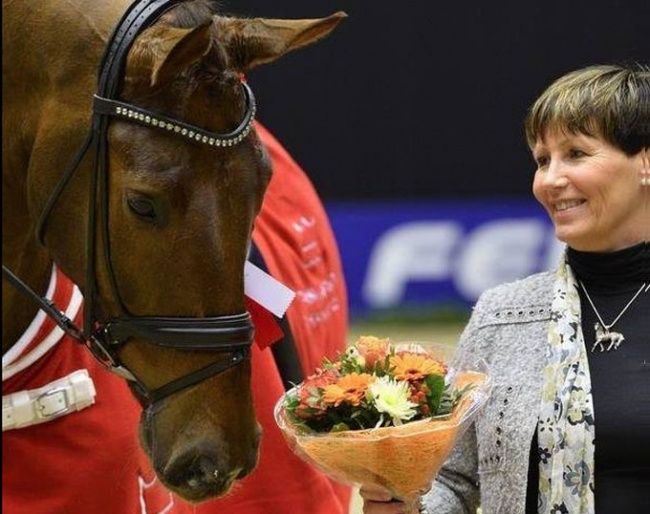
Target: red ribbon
[267,328]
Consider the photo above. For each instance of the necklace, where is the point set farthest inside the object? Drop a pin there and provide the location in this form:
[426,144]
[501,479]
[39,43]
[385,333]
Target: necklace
[603,332]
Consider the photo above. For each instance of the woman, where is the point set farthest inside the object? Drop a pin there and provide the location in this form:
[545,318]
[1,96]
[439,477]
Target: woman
[566,428]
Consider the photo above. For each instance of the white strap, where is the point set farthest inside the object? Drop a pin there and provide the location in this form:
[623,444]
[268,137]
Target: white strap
[63,396]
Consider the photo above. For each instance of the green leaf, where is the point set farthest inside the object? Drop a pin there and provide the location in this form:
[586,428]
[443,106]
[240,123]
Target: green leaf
[436,385]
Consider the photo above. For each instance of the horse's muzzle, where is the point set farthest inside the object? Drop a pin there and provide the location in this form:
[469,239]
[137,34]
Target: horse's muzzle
[203,472]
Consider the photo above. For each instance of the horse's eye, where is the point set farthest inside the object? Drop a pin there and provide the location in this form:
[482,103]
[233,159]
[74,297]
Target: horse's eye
[142,207]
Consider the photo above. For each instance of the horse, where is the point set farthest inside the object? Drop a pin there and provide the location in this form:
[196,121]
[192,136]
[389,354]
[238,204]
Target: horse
[603,336]
[130,165]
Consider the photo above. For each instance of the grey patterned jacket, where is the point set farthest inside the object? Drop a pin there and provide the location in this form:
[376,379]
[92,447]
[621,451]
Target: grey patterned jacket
[508,329]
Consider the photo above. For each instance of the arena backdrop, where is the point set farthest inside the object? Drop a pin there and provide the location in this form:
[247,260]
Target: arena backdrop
[420,102]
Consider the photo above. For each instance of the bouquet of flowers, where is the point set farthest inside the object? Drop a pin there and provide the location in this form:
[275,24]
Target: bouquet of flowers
[382,415]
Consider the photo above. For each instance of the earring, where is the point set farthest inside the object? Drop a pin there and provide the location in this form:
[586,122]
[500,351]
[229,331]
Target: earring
[645,180]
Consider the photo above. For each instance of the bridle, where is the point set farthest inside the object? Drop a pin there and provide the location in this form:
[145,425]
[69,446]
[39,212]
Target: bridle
[231,334]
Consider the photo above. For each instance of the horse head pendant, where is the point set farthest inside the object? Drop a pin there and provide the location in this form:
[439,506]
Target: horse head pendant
[603,335]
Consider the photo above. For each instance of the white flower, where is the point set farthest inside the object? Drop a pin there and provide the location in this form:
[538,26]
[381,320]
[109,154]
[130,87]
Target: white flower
[392,397]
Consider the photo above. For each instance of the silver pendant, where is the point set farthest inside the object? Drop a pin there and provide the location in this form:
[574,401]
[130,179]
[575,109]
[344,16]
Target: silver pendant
[603,336]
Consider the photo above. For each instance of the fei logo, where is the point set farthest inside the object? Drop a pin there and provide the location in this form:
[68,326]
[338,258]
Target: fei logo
[472,260]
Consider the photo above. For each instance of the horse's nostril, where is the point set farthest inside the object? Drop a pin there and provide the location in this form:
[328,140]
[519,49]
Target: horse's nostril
[204,475]
[201,471]
[199,474]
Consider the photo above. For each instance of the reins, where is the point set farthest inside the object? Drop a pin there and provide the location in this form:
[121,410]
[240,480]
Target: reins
[231,334]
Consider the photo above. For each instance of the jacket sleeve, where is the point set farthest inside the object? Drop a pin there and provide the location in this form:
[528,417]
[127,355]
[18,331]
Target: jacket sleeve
[456,488]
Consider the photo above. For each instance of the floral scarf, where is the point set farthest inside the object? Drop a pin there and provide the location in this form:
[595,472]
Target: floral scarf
[565,430]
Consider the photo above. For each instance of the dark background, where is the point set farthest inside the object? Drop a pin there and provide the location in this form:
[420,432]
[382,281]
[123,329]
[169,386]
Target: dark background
[425,99]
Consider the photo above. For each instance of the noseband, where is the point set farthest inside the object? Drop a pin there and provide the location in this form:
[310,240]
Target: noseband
[231,334]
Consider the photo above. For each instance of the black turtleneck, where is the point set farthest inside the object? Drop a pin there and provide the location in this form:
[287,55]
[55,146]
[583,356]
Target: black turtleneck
[620,379]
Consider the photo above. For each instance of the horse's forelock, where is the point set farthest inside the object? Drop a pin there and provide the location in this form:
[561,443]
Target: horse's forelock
[190,14]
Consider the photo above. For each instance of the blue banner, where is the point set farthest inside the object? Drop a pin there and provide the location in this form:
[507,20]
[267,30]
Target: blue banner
[426,254]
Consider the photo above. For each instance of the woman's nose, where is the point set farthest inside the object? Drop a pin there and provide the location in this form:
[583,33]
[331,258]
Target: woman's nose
[555,176]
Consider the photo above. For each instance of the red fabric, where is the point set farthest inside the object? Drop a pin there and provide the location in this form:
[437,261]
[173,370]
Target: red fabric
[296,241]
[85,462]
[267,328]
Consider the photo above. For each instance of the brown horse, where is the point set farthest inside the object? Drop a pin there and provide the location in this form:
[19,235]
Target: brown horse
[153,225]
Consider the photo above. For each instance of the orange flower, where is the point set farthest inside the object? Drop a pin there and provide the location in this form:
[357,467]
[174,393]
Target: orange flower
[322,377]
[372,349]
[349,388]
[415,366]
[311,403]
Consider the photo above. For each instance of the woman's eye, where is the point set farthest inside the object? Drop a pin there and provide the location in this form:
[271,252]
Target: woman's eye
[576,154]
[541,161]
[142,207]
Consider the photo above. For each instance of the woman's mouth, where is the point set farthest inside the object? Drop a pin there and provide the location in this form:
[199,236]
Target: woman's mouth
[565,205]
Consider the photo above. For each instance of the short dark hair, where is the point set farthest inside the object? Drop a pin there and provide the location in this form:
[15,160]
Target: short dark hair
[607,101]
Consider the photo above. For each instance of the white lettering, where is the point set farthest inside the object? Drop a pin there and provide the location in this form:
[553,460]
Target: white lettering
[493,253]
[498,252]
[303,222]
[320,292]
[411,251]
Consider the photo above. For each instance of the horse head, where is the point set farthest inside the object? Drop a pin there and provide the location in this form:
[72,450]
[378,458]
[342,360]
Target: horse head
[169,232]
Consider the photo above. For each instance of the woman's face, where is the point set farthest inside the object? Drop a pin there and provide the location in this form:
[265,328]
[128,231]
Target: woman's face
[592,191]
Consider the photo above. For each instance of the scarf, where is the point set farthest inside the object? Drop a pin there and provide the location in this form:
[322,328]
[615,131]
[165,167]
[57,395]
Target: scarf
[565,430]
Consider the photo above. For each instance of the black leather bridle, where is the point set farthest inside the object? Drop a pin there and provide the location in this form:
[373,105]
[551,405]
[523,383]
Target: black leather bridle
[231,334]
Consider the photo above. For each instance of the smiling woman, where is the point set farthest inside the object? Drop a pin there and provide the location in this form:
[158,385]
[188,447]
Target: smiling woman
[590,136]
[589,167]
[590,190]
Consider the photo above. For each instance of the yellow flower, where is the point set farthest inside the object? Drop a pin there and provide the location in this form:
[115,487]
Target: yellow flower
[414,366]
[349,388]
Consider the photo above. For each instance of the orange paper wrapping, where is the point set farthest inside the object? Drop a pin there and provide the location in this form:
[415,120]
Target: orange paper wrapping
[403,459]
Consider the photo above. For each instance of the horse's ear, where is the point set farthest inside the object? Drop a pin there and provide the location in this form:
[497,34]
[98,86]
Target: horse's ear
[255,41]
[177,48]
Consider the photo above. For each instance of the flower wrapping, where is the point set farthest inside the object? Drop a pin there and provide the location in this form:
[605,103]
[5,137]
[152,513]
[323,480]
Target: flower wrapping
[383,415]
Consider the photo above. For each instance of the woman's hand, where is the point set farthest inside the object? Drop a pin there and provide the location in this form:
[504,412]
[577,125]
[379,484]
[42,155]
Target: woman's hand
[379,501]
